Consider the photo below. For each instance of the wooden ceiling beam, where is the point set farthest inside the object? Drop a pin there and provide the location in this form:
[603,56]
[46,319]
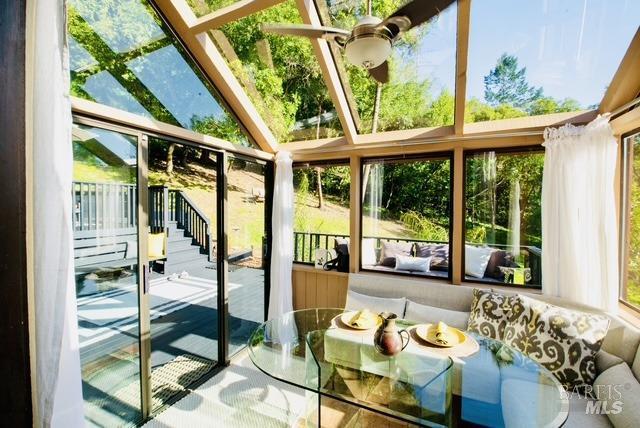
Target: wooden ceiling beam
[462,55]
[215,67]
[498,133]
[233,12]
[625,85]
[309,15]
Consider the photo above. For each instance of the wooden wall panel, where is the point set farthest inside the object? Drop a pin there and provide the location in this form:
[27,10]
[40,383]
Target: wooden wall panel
[318,289]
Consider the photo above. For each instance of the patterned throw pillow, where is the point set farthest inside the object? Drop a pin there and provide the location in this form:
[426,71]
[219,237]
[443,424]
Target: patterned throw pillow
[564,341]
[490,313]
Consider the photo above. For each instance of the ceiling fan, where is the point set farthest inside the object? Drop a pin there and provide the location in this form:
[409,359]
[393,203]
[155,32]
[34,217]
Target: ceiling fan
[369,43]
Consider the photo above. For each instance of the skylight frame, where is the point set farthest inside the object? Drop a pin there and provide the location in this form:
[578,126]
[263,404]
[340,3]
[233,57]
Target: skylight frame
[190,29]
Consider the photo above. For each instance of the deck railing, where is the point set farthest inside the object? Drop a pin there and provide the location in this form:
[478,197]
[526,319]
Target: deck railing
[189,217]
[305,244]
[113,206]
[104,206]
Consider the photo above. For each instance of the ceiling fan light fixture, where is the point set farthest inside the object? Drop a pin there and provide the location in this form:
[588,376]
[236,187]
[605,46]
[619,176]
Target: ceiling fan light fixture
[368,51]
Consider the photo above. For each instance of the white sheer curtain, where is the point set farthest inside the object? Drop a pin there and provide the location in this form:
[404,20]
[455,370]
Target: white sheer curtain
[579,233]
[280,298]
[59,391]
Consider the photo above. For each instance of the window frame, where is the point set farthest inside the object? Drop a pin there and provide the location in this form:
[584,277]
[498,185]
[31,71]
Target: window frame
[426,156]
[534,148]
[624,217]
[327,163]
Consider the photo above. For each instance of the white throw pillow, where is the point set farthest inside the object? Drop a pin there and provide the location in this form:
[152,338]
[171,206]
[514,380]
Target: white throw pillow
[424,313]
[368,252]
[415,264]
[476,260]
[357,301]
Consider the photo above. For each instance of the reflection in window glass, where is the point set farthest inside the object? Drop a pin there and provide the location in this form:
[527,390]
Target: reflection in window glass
[503,217]
[105,242]
[124,56]
[183,286]
[630,292]
[544,56]
[321,208]
[280,74]
[406,216]
[422,70]
[246,246]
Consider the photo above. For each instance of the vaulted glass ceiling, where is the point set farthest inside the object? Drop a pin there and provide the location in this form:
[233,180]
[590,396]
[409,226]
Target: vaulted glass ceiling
[421,89]
[122,55]
[524,58]
[281,75]
[535,57]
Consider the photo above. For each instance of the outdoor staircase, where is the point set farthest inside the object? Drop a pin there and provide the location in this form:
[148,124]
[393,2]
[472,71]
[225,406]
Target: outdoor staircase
[183,254]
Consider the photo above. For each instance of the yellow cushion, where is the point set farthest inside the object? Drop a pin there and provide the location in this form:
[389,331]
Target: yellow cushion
[156,246]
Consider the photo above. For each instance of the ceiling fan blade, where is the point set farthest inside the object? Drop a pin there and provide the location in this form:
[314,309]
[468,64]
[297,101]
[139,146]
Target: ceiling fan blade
[380,73]
[305,30]
[413,14]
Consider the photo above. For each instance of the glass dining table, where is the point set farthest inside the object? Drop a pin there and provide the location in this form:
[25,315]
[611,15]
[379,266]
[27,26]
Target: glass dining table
[347,380]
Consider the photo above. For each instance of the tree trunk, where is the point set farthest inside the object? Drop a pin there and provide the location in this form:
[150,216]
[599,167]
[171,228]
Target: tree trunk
[170,150]
[319,180]
[374,129]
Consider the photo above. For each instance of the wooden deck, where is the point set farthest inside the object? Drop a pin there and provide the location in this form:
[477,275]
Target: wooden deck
[184,322]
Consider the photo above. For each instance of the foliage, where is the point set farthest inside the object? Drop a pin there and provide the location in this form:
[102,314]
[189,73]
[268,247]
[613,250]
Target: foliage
[507,84]
[423,227]
[633,278]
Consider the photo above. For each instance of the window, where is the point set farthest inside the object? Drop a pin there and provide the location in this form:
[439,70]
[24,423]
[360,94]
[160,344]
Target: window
[321,207]
[630,289]
[122,55]
[544,56]
[503,237]
[406,215]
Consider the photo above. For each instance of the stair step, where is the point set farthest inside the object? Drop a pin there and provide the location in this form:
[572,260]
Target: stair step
[185,255]
[178,236]
[179,244]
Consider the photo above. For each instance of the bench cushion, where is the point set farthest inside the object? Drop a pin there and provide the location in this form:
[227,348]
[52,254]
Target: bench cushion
[424,313]
[619,392]
[356,302]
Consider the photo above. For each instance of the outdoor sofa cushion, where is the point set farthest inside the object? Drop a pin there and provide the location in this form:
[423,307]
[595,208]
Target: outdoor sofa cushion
[439,254]
[476,260]
[413,264]
[564,341]
[357,301]
[389,251]
[424,313]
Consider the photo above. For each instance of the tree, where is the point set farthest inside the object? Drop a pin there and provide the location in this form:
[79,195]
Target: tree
[507,84]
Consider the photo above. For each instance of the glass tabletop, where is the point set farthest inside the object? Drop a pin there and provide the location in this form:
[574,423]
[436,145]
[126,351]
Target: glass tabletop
[495,386]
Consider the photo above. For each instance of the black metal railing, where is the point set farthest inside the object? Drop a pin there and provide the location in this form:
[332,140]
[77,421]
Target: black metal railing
[104,206]
[186,214]
[305,244]
[159,207]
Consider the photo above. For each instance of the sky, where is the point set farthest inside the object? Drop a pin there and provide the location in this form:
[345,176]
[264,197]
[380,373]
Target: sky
[571,48]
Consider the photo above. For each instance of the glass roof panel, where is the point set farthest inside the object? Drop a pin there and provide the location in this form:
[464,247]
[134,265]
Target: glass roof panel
[205,7]
[280,74]
[535,57]
[421,89]
[122,55]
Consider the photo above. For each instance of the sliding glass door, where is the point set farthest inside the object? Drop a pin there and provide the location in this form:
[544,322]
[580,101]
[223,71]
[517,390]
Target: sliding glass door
[247,200]
[105,236]
[171,265]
